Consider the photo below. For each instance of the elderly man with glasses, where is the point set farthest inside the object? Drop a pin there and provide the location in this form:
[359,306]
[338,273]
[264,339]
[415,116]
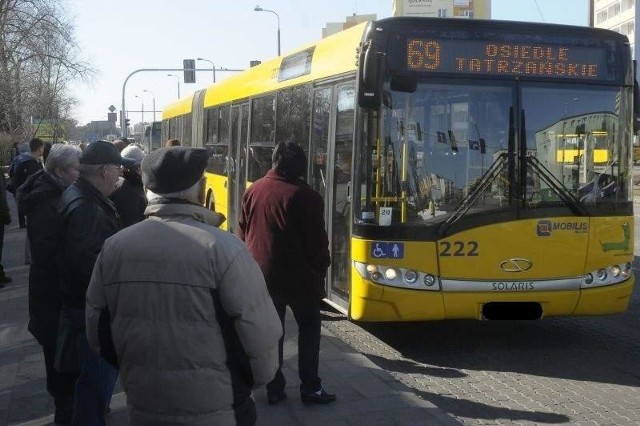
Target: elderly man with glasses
[88,218]
[38,198]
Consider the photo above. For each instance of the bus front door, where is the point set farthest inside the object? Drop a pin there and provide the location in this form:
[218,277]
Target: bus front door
[330,175]
[340,199]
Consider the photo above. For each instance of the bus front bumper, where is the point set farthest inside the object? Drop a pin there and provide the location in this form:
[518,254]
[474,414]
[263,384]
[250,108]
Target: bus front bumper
[374,302]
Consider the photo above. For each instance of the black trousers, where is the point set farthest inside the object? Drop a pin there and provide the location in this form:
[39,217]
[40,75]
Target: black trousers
[307,315]
[58,384]
[22,219]
[1,248]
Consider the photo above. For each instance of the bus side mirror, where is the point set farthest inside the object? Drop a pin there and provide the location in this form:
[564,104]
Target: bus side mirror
[406,81]
[371,74]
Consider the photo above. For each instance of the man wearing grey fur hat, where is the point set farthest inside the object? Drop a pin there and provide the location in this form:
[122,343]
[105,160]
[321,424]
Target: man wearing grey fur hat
[185,305]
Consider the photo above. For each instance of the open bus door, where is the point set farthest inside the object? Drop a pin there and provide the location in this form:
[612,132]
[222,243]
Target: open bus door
[330,172]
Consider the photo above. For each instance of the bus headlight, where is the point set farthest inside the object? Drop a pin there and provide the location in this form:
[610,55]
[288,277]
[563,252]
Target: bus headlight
[411,277]
[429,280]
[602,274]
[397,277]
[391,274]
[615,270]
[612,274]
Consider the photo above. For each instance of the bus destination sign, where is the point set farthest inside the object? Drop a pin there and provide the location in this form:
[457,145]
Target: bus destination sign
[499,58]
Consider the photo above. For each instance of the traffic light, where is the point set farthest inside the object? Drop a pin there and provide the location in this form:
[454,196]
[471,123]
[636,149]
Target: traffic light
[189,67]
[127,122]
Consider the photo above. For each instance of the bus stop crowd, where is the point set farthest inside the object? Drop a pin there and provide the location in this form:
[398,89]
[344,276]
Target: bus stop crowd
[131,276]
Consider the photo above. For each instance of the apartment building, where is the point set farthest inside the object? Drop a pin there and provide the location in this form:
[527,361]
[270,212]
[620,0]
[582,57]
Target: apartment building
[617,15]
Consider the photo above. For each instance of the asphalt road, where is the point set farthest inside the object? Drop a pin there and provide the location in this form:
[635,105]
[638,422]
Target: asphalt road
[578,371]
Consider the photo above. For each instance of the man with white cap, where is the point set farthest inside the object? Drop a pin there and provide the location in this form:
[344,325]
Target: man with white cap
[129,197]
[185,305]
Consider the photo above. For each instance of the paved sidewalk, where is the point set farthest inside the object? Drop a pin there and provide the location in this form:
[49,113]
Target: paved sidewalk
[367,395]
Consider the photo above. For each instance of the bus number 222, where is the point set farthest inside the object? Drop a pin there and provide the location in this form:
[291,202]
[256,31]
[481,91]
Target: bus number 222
[458,248]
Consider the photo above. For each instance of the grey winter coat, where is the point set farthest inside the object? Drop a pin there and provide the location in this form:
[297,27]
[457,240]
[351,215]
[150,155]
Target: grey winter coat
[169,290]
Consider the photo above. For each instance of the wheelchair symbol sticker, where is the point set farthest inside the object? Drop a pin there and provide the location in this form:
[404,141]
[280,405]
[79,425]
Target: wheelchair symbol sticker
[380,250]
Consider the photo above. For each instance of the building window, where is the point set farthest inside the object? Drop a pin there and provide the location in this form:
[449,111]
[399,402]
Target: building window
[627,28]
[613,10]
[601,17]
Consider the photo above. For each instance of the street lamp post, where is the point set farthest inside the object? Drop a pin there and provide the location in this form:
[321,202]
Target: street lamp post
[178,79]
[213,67]
[142,109]
[153,97]
[259,9]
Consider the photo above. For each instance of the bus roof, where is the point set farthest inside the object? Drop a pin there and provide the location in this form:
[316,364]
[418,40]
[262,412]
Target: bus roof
[179,107]
[332,56]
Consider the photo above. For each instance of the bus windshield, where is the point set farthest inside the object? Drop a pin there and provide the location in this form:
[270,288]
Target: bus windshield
[451,144]
[152,136]
[573,133]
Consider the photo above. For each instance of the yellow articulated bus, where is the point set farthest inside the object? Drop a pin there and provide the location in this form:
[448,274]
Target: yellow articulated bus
[470,169]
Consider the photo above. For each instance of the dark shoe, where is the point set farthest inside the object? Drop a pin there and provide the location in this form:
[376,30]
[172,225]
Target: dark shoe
[4,280]
[320,397]
[276,397]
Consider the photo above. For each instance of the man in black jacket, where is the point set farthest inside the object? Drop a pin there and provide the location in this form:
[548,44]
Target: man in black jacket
[5,219]
[38,197]
[129,197]
[23,166]
[88,219]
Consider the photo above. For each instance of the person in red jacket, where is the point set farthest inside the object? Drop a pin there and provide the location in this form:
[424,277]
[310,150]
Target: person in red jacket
[282,223]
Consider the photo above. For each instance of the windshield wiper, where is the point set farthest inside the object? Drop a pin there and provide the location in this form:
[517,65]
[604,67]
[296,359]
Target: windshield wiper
[565,195]
[549,178]
[484,182]
[487,178]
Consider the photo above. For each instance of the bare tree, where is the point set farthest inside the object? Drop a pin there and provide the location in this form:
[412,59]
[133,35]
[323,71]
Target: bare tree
[39,58]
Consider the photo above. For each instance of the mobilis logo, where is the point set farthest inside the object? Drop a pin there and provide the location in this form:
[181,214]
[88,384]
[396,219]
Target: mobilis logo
[544,228]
